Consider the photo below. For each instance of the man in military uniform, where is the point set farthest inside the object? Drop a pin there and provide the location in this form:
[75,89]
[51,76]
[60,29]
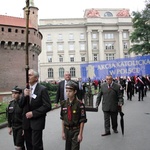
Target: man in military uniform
[14,113]
[73,117]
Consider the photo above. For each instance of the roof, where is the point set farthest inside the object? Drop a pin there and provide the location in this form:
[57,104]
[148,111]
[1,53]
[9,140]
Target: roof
[13,21]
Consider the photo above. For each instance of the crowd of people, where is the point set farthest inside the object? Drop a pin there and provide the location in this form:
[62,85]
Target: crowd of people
[28,108]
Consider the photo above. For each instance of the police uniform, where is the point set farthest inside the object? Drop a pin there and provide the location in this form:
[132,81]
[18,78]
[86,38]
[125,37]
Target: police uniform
[76,110]
[14,113]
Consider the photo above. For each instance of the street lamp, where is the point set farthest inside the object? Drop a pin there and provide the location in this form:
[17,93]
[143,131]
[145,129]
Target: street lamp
[27,10]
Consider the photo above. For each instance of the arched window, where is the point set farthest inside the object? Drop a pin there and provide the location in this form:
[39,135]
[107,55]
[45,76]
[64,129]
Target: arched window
[50,73]
[61,72]
[73,72]
[108,14]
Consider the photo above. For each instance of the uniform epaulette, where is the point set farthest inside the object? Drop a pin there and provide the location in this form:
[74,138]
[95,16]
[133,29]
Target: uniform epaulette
[62,102]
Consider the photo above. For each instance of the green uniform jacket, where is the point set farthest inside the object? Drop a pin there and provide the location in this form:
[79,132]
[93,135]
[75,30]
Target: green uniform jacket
[77,110]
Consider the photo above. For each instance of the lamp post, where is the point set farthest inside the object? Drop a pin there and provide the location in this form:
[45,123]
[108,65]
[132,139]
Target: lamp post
[27,10]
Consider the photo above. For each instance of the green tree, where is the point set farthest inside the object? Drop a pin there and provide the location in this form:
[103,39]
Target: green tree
[141,35]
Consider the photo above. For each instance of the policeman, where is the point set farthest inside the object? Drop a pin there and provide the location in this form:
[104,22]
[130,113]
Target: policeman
[73,117]
[14,113]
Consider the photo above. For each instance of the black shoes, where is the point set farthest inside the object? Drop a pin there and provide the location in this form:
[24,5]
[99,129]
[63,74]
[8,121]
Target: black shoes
[105,134]
[115,131]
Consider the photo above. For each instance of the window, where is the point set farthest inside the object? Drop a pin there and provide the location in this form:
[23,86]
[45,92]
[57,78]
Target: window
[124,35]
[71,58]
[109,56]
[48,37]
[71,36]
[82,46]
[60,47]
[94,46]
[108,14]
[2,29]
[72,72]
[109,46]
[125,45]
[71,47]
[109,36]
[61,72]
[50,73]
[22,31]
[16,31]
[82,36]
[49,47]
[60,58]
[95,57]
[60,37]
[94,36]
[82,58]
[9,29]
[49,58]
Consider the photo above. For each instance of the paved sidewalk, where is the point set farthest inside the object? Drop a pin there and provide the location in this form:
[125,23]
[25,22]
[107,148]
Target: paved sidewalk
[137,130]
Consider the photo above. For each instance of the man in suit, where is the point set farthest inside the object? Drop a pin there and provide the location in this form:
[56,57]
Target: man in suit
[61,91]
[81,91]
[35,103]
[112,97]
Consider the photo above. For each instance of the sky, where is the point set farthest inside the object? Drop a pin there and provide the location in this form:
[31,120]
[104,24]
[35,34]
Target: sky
[49,9]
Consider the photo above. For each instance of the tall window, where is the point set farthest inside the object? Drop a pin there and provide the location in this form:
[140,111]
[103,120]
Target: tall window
[95,57]
[71,36]
[125,45]
[109,56]
[49,37]
[60,37]
[124,35]
[61,72]
[82,58]
[82,46]
[71,58]
[60,47]
[94,46]
[82,36]
[94,36]
[50,73]
[49,47]
[71,47]
[60,58]
[49,58]
[73,72]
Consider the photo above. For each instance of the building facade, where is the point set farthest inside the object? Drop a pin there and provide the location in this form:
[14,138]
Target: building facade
[13,48]
[102,34]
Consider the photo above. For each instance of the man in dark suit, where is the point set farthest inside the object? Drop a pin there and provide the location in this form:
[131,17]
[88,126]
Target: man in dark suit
[112,97]
[81,91]
[61,91]
[36,103]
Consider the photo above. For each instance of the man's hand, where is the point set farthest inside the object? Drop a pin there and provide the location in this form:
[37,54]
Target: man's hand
[29,115]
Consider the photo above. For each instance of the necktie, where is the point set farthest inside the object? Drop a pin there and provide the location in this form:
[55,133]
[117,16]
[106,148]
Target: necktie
[69,113]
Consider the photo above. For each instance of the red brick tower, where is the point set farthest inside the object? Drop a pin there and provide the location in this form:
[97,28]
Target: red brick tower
[12,49]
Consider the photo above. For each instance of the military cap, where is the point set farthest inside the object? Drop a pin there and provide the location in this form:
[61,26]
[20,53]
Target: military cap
[16,89]
[72,85]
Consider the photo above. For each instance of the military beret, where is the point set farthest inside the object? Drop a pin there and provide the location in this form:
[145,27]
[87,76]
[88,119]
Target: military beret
[16,89]
[72,85]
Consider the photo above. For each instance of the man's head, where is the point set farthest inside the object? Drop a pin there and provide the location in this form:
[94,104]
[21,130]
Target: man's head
[109,79]
[67,76]
[33,76]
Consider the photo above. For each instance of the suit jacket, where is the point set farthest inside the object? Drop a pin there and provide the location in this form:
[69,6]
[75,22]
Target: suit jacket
[39,104]
[60,91]
[111,97]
